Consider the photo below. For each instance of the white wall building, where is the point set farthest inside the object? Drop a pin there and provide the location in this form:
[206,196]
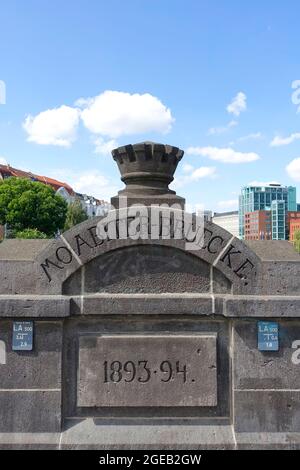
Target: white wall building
[228,220]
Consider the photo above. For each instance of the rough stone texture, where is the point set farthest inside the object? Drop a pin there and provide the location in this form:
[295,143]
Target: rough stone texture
[40,368]
[143,304]
[18,277]
[262,306]
[267,411]
[278,278]
[173,370]
[255,369]
[267,441]
[147,269]
[221,285]
[18,249]
[274,250]
[34,306]
[29,441]
[94,434]
[30,411]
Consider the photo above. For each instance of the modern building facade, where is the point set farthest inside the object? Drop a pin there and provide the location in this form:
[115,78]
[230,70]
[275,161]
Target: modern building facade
[278,213]
[228,220]
[261,198]
[258,225]
[294,224]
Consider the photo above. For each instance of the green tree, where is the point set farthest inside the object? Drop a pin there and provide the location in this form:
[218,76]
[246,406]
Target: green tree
[30,204]
[29,233]
[75,214]
[297,241]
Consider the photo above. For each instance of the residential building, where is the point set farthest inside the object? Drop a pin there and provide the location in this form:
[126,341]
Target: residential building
[260,198]
[93,206]
[90,204]
[7,171]
[293,223]
[228,220]
[207,216]
[258,225]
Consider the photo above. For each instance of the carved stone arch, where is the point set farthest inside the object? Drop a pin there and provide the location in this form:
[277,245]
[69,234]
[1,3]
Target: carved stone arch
[225,255]
[146,269]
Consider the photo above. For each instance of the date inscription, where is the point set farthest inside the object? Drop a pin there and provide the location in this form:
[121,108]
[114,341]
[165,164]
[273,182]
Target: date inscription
[142,371]
[147,370]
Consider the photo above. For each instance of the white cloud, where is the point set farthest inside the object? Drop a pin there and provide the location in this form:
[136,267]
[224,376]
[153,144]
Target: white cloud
[203,172]
[56,126]
[238,104]
[253,136]
[91,182]
[195,175]
[109,115]
[262,183]
[187,168]
[293,169]
[105,147]
[3,161]
[225,155]
[115,114]
[228,204]
[278,140]
[222,129]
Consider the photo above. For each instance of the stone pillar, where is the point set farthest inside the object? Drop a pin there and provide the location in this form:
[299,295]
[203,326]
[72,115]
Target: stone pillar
[147,169]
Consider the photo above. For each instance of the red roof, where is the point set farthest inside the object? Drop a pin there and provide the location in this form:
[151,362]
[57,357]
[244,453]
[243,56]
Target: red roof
[7,171]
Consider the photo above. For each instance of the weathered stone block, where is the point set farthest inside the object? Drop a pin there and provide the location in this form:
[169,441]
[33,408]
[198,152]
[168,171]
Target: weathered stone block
[267,411]
[143,304]
[56,306]
[30,411]
[39,368]
[266,306]
[254,369]
[132,370]
[96,434]
[147,269]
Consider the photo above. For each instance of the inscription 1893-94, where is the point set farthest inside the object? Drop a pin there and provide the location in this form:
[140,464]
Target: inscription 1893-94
[156,370]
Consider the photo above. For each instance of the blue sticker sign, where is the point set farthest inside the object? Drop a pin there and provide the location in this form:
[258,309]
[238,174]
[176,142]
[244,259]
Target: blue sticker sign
[267,333]
[22,336]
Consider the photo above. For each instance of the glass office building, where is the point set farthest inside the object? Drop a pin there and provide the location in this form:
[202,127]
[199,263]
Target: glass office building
[260,197]
[278,220]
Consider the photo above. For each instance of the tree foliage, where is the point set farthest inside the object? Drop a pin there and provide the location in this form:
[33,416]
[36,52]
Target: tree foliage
[297,241]
[29,233]
[29,204]
[75,214]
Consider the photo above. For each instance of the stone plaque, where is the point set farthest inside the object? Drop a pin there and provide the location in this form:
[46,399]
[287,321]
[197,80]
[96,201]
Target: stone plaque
[147,370]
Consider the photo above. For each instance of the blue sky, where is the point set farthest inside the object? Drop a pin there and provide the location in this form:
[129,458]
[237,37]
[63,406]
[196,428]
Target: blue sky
[212,77]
